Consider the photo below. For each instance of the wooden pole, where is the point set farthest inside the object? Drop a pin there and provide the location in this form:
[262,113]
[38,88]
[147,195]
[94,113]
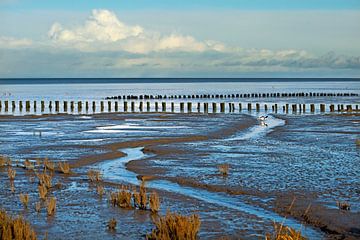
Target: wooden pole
[57,108]
[101,106]
[141,106]
[125,107]
[322,107]
[79,106]
[20,106]
[312,107]
[156,107]
[65,106]
[148,106]
[13,106]
[109,106]
[172,107]
[94,106]
[189,107]
[214,110]
[181,107]
[86,106]
[132,106]
[163,106]
[249,107]
[222,107]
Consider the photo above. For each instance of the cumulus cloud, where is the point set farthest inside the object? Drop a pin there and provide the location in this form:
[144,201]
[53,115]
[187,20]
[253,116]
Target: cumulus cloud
[103,30]
[11,42]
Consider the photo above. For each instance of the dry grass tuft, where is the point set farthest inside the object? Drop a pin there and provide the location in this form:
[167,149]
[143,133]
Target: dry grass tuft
[28,165]
[357,142]
[175,226]
[112,224]
[154,202]
[45,179]
[100,190]
[343,205]
[15,229]
[284,233]
[11,173]
[49,165]
[42,191]
[94,175]
[2,161]
[224,169]
[38,207]
[121,198]
[51,206]
[24,199]
[140,198]
[64,167]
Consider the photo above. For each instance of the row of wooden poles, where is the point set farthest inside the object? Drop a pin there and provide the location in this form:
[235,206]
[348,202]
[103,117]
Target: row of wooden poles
[245,95]
[114,106]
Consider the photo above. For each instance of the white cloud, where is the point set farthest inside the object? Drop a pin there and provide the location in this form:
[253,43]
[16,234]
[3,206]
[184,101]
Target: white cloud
[10,42]
[104,31]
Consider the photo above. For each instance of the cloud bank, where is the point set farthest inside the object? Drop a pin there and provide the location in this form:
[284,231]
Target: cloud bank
[106,46]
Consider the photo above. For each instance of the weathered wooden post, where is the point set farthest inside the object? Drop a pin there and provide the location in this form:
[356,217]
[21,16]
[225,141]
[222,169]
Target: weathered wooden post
[322,107]
[189,107]
[27,106]
[109,106]
[132,106]
[172,107]
[101,106]
[163,106]
[222,107]
[214,110]
[294,108]
[65,106]
[266,107]
[287,108]
[284,108]
[6,106]
[57,107]
[34,106]
[198,107]
[312,107]
[257,107]
[72,106]
[304,107]
[240,107]
[332,108]
[86,106]
[181,107]
[125,106]
[13,106]
[349,108]
[276,107]
[206,107]
[20,106]
[42,103]
[50,106]
[0,105]
[94,106]
[141,106]
[148,106]
[249,107]
[79,106]
[156,107]
[233,107]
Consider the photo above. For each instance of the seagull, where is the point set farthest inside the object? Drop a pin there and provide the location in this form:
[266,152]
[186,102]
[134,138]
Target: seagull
[262,123]
[262,118]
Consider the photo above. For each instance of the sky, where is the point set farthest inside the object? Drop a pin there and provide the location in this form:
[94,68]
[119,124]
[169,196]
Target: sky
[167,38]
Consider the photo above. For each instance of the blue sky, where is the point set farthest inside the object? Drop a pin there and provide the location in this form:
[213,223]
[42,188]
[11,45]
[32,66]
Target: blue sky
[166,38]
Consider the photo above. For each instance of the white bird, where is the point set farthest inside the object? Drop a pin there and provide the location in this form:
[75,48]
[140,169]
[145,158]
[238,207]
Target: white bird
[262,118]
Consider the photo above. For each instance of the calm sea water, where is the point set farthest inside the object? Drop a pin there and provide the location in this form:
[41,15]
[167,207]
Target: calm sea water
[95,89]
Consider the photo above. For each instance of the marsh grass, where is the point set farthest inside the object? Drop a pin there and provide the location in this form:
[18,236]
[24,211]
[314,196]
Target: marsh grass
[49,165]
[100,190]
[2,161]
[29,165]
[11,173]
[64,167]
[38,207]
[343,205]
[154,202]
[15,228]
[24,199]
[42,191]
[45,179]
[282,232]
[175,226]
[140,198]
[121,198]
[94,175]
[224,169]
[51,206]
[357,142]
[112,224]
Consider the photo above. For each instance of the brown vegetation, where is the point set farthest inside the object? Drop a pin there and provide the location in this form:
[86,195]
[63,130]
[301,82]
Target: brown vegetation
[49,165]
[121,198]
[343,205]
[45,179]
[15,229]
[51,206]
[140,198]
[154,202]
[38,207]
[175,226]
[11,173]
[100,190]
[2,161]
[284,233]
[112,224]
[24,199]
[64,167]
[28,165]
[94,175]
[42,191]
[224,169]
